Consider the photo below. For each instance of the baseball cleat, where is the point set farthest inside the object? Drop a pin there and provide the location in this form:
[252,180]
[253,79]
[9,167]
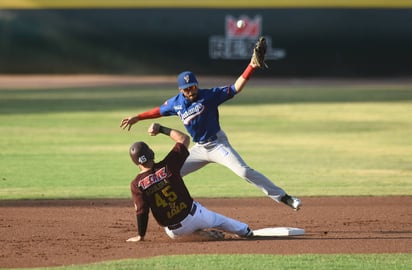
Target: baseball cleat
[211,234]
[293,202]
[248,234]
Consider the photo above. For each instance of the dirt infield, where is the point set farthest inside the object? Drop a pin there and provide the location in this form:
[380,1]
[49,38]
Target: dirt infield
[63,232]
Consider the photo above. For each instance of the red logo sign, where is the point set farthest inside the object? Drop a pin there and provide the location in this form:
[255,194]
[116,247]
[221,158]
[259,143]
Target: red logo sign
[252,28]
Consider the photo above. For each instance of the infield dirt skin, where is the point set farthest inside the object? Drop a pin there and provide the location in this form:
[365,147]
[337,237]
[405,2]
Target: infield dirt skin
[38,233]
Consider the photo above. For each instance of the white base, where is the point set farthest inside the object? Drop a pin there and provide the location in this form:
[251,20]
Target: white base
[279,231]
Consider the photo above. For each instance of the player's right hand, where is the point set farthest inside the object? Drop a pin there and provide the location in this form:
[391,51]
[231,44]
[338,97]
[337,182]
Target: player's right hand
[153,130]
[128,122]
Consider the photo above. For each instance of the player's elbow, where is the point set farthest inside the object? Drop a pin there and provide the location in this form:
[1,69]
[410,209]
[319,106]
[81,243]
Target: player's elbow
[180,137]
[186,141]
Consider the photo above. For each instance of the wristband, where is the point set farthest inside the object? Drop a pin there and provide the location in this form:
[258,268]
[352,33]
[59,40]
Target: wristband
[248,72]
[165,130]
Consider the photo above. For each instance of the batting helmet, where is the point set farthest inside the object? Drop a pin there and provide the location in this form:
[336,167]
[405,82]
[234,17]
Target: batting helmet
[140,153]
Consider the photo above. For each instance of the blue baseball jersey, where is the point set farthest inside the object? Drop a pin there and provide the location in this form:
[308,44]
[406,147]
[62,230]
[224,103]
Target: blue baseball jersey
[201,117]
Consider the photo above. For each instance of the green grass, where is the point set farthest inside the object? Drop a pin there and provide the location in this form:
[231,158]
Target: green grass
[257,262]
[345,140]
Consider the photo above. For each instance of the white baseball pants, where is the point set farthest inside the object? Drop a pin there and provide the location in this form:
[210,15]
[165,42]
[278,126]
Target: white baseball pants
[220,151]
[203,218]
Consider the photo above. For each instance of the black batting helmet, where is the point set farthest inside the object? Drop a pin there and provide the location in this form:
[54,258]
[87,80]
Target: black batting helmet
[140,153]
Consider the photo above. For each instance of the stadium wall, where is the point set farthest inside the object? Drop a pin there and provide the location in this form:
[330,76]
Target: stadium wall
[304,41]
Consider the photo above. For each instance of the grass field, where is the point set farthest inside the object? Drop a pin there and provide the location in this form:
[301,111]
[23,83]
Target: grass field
[223,262]
[326,140]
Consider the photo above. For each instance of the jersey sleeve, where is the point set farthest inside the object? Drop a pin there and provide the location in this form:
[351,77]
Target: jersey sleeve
[224,93]
[142,221]
[177,156]
[153,113]
[139,203]
[168,107]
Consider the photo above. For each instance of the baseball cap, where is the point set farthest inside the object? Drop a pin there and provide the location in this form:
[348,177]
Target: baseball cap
[186,79]
[140,153]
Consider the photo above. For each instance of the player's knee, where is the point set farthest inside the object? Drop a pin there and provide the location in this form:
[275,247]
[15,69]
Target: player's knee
[244,171]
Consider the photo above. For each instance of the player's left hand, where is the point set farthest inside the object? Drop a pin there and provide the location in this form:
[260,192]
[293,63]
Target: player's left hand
[259,52]
[135,239]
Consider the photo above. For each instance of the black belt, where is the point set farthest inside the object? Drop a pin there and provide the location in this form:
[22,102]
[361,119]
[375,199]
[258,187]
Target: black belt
[210,139]
[178,225]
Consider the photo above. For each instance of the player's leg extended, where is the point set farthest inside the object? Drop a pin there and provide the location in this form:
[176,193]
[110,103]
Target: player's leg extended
[226,155]
[205,218]
[196,160]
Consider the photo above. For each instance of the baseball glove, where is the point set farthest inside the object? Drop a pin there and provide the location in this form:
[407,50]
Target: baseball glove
[258,57]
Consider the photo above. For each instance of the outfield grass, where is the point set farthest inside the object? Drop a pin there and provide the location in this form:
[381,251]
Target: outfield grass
[327,140]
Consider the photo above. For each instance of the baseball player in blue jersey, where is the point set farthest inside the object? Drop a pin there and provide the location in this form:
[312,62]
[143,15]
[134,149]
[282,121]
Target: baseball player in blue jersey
[198,110]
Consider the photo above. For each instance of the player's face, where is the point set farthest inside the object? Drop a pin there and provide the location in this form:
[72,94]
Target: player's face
[190,93]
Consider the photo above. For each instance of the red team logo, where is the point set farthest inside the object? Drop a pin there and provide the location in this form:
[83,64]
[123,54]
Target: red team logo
[154,178]
[251,29]
[238,42]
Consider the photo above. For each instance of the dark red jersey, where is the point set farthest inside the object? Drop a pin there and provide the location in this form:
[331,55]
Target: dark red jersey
[162,189]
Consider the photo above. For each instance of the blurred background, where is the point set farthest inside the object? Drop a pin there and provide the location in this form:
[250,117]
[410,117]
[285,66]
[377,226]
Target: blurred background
[306,38]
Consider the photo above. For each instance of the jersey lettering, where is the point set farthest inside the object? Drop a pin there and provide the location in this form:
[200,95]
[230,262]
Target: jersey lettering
[170,195]
[176,209]
[160,201]
[155,188]
[191,113]
[165,197]
[154,178]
